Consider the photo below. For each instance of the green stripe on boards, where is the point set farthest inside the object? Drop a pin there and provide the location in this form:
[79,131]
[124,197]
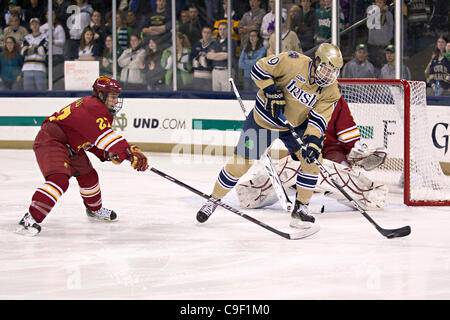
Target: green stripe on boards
[208,124]
[21,121]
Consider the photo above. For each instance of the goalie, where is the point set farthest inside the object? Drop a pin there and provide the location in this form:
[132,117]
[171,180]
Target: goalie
[343,153]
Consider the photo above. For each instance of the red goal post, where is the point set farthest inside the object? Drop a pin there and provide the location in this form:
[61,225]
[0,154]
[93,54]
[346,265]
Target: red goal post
[393,114]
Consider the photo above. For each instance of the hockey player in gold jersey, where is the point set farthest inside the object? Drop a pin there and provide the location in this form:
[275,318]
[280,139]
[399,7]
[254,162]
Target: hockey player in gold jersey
[305,91]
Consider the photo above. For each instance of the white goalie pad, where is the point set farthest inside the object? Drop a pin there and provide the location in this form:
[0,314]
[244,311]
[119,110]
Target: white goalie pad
[368,158]
[257,191]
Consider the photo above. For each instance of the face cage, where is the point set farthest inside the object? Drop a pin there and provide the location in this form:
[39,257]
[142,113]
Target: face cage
[116,108]
[325,76]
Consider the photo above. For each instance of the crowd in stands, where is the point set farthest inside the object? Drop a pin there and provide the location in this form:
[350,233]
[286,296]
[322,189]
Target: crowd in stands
[82,30]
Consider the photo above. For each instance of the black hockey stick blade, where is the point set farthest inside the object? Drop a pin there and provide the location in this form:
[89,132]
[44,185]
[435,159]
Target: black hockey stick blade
[290,236]
[395,233]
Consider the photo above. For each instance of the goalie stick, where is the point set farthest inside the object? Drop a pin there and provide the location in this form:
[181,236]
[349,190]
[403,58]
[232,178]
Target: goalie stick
[285,202]
[290,236]
[388,233]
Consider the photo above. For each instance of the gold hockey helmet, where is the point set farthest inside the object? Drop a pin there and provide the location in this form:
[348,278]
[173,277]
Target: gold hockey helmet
[330,62]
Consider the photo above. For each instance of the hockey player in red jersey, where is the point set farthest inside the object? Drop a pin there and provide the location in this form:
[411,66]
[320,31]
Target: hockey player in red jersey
[60,149]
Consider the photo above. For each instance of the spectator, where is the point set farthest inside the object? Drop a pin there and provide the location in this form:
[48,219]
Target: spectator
[132,22]
[11,64]
[142,10]
[184,67]
[106,59]
[289,39]
[184,18]
[14,29]
[251,20]
[322,29]
[153,70]
[193,28]
[268,21]
[123,31]
[202,78]
[219,56]
[13,7]
[35,10]
[359,66]
[388,70]
[34,50]
[58,42]
[235,19]
[303,24]
[88,49]
[447,50]
[76,23]
[131,61]
[159,25]
[97,25]
[62,14]
[252,52]
[417,22]
[381,34]
[437,70]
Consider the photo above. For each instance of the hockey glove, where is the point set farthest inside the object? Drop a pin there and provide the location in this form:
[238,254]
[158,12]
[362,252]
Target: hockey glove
[312,147]
[275,103]
[138,159]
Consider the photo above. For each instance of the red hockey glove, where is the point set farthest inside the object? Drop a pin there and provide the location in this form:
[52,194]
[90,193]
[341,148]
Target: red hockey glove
[138,160]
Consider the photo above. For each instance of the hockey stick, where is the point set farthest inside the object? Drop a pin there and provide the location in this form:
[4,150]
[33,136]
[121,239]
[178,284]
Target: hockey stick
[286,203]
[290,236]
[388,233]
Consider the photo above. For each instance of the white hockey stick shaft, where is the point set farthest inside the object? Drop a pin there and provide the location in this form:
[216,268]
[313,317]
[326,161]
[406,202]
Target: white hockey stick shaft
[285,202]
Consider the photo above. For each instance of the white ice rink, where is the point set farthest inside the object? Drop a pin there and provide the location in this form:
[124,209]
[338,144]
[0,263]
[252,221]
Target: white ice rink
[157,250]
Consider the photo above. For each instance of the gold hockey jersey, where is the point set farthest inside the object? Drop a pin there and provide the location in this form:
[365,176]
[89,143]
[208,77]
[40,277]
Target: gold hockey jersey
[294,73]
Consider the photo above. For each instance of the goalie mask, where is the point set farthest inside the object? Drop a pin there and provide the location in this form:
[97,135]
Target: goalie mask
[106,85]
[330,62]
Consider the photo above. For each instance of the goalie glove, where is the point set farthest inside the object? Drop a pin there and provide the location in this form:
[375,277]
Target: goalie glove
[368,158]
[137,158]
[275,103]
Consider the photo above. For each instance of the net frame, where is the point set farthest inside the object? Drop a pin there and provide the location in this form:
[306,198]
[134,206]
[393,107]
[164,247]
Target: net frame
[406,88]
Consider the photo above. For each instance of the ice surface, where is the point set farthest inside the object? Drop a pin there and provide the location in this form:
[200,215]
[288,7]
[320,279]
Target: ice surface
[157,250]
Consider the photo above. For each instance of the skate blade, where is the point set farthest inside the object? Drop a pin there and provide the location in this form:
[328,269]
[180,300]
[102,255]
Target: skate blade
[305,232]
[31,232]
[95,218]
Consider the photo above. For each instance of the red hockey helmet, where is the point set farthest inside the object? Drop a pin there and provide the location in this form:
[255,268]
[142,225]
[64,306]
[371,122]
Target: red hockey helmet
[106,85]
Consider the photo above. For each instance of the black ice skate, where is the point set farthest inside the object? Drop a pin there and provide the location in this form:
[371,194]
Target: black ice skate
[102,214]
[28,226]
[206,211]
[301,217]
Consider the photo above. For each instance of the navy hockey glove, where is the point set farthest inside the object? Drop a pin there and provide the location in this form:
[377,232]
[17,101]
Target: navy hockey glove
[275,103]
[311,150]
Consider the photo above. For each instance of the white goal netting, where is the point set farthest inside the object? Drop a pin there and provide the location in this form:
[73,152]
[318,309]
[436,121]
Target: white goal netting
[378,109]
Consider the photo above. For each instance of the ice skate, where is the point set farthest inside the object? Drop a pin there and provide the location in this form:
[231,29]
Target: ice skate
[206,211]
[102,214]
[301,217]
[28,226]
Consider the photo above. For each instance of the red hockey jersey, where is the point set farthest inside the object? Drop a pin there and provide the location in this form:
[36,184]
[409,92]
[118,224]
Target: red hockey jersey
[87,125]
[342,132]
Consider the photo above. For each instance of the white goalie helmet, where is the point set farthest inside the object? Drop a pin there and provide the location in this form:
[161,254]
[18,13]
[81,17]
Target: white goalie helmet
[330,63]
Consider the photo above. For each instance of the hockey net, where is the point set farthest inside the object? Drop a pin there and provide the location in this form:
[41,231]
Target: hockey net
[393,114]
